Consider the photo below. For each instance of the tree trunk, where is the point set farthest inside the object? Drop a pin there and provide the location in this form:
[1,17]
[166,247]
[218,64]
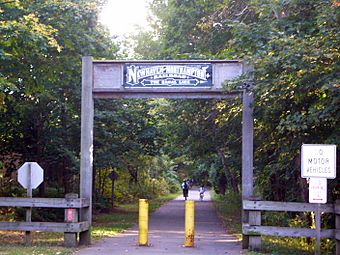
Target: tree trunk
[233,179]
[133,174]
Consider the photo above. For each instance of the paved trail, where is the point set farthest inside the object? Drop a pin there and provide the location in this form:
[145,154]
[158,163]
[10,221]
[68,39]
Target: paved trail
[166,233]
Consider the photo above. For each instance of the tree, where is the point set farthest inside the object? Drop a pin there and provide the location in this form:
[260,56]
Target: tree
[40,77]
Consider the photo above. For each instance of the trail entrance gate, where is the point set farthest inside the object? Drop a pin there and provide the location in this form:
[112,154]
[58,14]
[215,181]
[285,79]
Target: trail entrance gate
[155,79]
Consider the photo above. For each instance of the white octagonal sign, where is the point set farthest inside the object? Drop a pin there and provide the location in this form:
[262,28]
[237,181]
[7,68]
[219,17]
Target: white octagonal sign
[30,174]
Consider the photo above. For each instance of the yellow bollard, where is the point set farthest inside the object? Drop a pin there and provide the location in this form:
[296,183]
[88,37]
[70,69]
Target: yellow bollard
[143,221]
[189,223]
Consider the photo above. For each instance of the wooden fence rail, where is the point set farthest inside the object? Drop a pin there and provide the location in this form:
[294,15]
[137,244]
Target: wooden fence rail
[44,202]
[71,226]
[254,230]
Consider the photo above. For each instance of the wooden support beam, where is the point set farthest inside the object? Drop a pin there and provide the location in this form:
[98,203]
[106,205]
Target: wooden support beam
[285,231]
[255,242]
[36,202]
[86,146]
[247,153]
[70,216]
[44,226]
[285,206]
[337,226]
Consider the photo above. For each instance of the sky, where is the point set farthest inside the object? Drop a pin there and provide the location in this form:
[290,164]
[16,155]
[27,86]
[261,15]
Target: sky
[120,16]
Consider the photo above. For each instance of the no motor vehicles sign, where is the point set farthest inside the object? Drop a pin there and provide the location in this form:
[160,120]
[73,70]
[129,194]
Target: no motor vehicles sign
[318,160]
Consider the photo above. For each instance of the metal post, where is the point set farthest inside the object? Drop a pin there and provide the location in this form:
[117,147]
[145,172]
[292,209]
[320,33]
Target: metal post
[86,147]
[143,222]
[28,234]
[189,223]
[247,152]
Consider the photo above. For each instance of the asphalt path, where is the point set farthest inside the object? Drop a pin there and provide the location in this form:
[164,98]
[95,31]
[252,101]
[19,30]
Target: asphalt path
[166,233]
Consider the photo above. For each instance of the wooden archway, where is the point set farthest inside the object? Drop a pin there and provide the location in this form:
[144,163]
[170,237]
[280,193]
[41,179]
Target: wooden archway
[152,79]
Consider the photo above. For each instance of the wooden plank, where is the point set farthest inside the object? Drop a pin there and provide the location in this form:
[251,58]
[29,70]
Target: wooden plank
[247,143]
[107,93]
[247,154]
[86,146]
[70,216]
[285,206]
[337,209]
[44,226]
[255,242]
[43,202]
[337,234]
[337,227]
[285,231]
[174,61]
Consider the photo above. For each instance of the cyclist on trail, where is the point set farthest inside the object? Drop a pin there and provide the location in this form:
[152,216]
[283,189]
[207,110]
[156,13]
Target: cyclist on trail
[185,188]
[201,191]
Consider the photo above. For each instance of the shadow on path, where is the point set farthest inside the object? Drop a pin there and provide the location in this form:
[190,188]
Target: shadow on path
[166,233]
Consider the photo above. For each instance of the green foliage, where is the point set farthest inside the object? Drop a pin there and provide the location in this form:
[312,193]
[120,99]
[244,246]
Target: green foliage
[153,178]
[292,46]
[295,59]
[40,60]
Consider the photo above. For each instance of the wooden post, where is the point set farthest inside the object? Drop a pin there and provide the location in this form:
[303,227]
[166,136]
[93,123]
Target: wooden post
[247,152]
[317,230]
[71,215]
[86,147]
[337,225]
[112,193]
[255,242]
[28,234]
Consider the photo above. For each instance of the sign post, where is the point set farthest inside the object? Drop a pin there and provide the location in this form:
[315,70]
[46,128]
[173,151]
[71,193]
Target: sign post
[318,163]
[30,176]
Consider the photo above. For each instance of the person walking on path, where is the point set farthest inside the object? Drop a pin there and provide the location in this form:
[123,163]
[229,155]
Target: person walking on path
[166,234]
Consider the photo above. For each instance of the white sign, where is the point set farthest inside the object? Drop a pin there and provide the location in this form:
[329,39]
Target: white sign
[30,172]
[318,160]
[318,190]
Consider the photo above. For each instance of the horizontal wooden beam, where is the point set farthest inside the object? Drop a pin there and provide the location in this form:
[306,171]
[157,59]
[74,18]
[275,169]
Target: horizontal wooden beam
[285,231]
[154,93]
[43,202]
[285,206]
[194,61]
[44,226]
[337,208]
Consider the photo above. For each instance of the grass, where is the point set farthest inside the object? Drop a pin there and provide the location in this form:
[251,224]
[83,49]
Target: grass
[229,210]
[35,250]
[104,225]
[44,243]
